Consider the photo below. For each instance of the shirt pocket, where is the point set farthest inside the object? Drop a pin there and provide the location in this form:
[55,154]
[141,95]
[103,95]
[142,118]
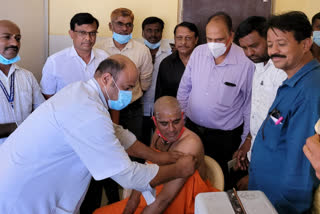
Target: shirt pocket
[271,133]
[228,92]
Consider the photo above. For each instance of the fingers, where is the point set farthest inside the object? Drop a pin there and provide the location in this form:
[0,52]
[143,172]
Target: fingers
[312,151]
[307,152]
[242,160]
[318,175]
[313,142]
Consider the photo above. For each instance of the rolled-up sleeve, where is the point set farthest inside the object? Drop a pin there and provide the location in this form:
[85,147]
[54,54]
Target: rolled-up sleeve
[125,137]
[48,81]
[146,71]
[137,176]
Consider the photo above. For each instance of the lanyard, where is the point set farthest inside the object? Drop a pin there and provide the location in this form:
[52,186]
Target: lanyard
[10,97]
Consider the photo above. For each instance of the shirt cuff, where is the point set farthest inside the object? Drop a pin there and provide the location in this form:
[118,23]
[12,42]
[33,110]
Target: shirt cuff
[137,176]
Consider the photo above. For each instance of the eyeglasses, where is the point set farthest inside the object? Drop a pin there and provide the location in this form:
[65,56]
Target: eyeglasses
[121,24]
[85,33]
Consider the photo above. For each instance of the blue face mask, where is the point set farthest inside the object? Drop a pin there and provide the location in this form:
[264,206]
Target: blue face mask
[152,45]
[122,39]
[316,37]
[6,61]
[124,98]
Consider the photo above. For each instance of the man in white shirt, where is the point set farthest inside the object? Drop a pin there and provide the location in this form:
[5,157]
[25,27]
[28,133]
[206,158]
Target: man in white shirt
[47,163]
[121,25]
[19,90]
[152,28]
[76,63]
[251,36]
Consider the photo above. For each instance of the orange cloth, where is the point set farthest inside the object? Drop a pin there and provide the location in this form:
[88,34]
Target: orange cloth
[183,203]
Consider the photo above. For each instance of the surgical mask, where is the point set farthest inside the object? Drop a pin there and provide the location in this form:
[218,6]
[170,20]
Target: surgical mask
[124,98]
[217,49]
[152,45]
[316,37]
[6,61]
[122,39]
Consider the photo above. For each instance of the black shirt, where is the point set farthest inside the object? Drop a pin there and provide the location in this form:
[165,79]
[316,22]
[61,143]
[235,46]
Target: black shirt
[170,73]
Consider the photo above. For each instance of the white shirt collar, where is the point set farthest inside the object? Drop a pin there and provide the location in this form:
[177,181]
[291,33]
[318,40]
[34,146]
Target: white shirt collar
[74,53]
[103,99]
[12,69]
[164,48]
[263,67]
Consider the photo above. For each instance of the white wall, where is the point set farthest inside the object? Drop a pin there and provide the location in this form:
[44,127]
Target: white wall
[31,17]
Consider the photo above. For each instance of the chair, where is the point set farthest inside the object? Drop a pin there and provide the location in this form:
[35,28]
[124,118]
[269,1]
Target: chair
[316,202]
[214,173]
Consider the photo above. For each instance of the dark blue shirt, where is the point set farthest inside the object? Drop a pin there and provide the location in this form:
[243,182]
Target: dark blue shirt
[278,166]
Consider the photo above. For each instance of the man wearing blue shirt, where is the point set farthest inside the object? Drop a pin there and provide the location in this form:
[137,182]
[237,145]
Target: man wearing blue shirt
[278,165]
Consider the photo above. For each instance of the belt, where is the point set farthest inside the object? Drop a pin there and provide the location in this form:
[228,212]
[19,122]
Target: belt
[204,130]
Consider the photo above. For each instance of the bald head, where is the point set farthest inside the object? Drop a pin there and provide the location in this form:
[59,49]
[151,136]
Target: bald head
[9,39]
[8,23]
[166,105]
[221,16]
[115,64]
[218,30]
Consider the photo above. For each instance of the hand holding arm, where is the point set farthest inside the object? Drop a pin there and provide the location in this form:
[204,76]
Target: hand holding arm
[183,168]
[140,150]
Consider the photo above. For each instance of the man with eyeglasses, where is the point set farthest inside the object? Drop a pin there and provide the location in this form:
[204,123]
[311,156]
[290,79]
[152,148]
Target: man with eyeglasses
[19,90]
[171,69]
[76,63]
[122,43]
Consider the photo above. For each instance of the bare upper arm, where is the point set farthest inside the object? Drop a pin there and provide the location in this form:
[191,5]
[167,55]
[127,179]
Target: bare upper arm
[191,144]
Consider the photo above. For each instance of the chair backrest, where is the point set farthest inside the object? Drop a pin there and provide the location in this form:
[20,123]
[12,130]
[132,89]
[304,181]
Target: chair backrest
[214,173]
[316,202]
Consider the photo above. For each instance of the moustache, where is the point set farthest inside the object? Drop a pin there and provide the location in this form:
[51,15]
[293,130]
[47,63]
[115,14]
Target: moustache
[12,47]
[277,55]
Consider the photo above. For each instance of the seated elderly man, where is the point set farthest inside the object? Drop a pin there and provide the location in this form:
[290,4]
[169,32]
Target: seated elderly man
[176,196]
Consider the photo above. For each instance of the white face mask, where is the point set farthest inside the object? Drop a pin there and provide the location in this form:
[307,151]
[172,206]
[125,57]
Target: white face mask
[217,49]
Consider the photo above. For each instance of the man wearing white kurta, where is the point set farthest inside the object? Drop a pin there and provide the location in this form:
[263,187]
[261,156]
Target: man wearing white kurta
[76,63]
[251,36]
[47,163]
[19,90]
